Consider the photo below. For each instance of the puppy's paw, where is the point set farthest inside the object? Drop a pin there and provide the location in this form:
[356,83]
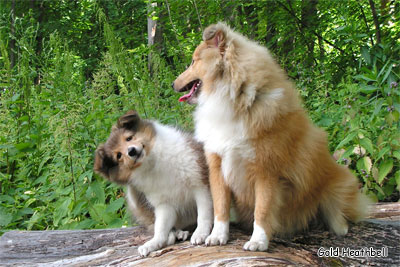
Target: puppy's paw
[199,236]
[256,245]
[181,235]
[150,246]
[217,239]
[171,238]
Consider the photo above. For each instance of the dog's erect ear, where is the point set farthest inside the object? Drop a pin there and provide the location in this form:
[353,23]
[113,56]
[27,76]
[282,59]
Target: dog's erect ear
[102,162]
[216,35]
[129,121]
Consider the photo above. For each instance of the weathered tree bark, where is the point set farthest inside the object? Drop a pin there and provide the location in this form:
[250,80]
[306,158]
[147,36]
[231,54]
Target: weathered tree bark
[118,247]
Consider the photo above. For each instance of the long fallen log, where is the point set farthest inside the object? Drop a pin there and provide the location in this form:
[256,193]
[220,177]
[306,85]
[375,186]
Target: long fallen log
[373,242]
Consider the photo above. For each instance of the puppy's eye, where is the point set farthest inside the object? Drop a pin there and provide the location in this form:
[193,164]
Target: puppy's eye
[119,155]
[129,138]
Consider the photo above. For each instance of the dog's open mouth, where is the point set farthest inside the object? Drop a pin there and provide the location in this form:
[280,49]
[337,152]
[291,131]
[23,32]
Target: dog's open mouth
[194,87]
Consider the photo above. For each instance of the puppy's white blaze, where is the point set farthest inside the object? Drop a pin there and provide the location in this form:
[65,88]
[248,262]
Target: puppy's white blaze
[259,239]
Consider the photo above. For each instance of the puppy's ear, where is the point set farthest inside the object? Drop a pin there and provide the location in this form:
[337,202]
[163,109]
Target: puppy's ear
[102,162]
[216,35]
[129,121]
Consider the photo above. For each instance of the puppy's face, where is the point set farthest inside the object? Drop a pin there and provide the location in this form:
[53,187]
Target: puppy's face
[206,66]
[126,149]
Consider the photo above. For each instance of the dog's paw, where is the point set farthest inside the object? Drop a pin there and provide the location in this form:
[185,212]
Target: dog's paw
[256,245]
[171,238]
[150,246]
[181,235]
[217,239]
[199,237]
[341,229]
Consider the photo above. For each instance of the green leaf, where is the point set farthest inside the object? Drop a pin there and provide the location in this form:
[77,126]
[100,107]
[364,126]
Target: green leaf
[96,192]
[366,55]
[367,89]
[7,199]
[384,168]
[99,214]
[396,154]
[367,144]
[5,217]
[383,152]
[387,74]
[61,210]
[85,224]
[22,146]
[348,138]
[115,205]
[365,78]
[364,164]
[397,178]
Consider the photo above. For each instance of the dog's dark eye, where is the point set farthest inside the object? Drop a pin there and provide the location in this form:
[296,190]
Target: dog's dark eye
[129,138]
[119,155]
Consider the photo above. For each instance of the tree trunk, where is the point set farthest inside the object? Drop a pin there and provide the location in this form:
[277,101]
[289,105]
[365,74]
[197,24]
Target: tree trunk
[376,21]
[309,22]
[118,247]
[12,32]
[154,34]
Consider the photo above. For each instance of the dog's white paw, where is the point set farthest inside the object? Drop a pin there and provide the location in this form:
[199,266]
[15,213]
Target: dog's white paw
[150,246]
[258,241]
[217,239]
[199,236]
[341,229]
[256,245]
[171,238]
[181,235]
[219,234]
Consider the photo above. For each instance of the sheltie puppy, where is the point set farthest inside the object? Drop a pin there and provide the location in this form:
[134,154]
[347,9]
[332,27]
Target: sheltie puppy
[260,144]
[166,175]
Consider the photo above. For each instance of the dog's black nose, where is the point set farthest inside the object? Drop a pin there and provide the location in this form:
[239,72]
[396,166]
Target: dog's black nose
[132,151]
[173,87]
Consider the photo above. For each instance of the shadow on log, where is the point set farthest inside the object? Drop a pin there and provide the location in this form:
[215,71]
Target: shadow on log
[118,247]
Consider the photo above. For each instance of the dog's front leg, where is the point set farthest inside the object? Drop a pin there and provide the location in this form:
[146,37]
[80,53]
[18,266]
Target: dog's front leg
[204,216]
[165,220]
[221,195]
[263,214]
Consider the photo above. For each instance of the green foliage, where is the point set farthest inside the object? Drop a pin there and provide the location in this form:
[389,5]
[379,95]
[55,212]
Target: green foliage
[69,69]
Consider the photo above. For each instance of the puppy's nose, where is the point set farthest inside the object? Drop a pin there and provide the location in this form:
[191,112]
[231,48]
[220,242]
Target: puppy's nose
[173,86]
[132,151]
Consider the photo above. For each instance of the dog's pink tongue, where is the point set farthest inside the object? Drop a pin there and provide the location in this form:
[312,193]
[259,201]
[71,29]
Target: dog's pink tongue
[188,95]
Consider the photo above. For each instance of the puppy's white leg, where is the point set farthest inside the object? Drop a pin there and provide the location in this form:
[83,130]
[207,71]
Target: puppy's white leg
[204,216]
[165,220]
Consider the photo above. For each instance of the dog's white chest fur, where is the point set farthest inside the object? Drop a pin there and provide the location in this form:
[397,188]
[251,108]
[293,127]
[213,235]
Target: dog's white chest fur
[224,135]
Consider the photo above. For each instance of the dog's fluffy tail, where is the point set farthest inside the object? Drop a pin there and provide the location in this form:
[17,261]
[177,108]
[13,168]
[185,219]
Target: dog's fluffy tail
[344,202]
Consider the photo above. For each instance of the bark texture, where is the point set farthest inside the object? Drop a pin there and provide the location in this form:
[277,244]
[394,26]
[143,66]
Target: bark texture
[118,247]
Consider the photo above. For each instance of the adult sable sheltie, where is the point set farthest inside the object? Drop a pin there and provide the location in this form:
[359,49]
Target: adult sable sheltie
[166,175]
[260,144]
